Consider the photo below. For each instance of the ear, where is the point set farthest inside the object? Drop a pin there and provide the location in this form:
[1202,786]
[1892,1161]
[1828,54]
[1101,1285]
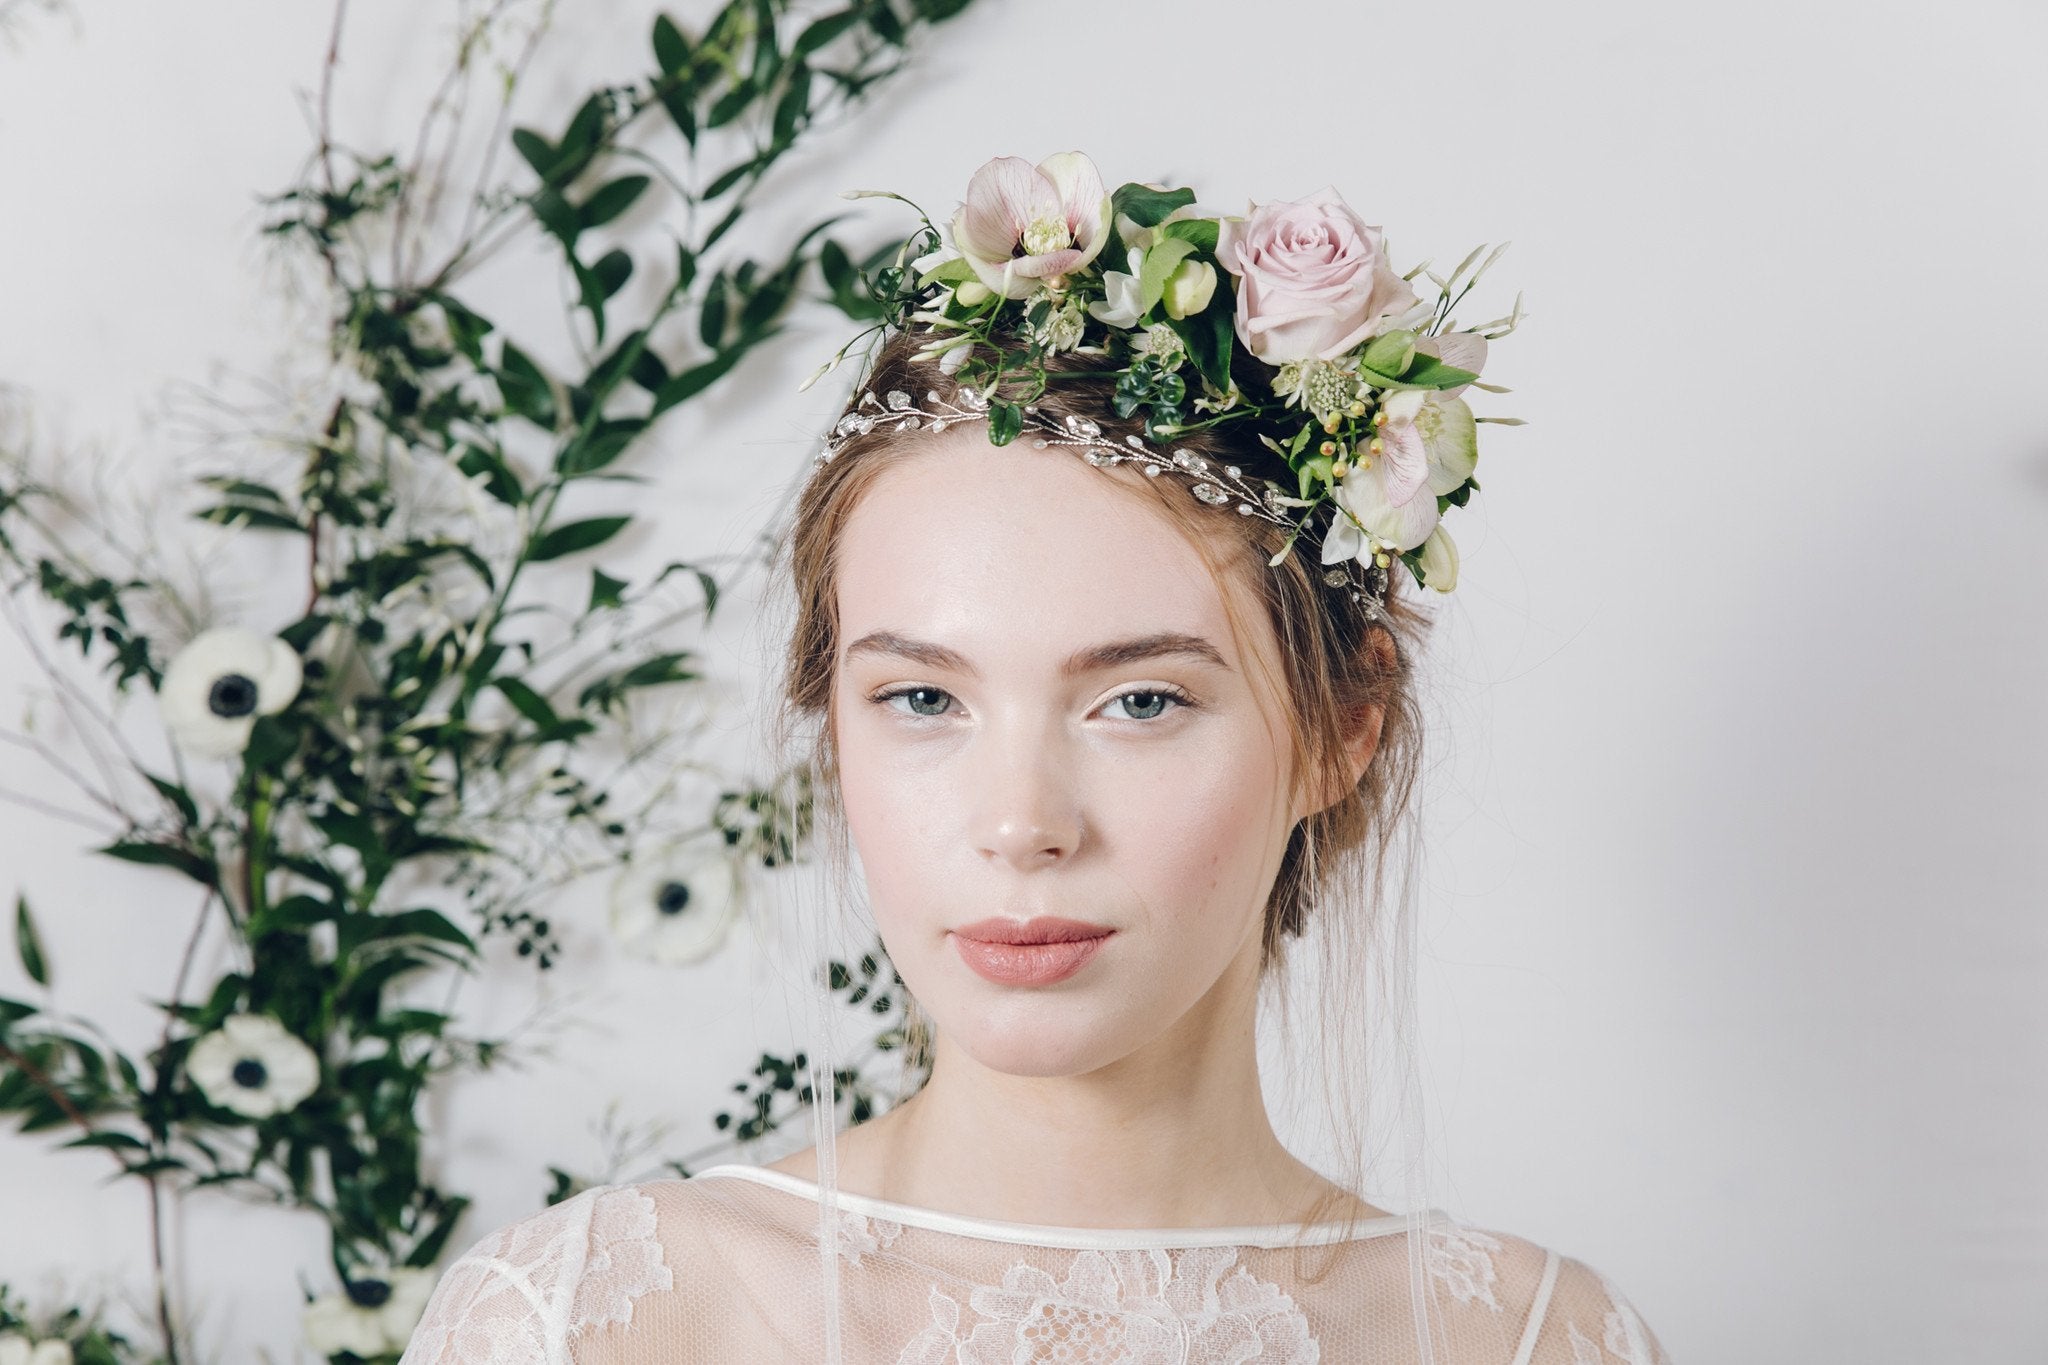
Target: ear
[1363,740]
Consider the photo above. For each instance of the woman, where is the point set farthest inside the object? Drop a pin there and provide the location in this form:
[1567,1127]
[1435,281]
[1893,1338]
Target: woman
[1123,743]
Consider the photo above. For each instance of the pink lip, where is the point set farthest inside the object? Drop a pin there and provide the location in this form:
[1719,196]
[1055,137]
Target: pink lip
[1036,952]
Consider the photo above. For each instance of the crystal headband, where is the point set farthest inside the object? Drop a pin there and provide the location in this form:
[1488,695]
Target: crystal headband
[1211,482]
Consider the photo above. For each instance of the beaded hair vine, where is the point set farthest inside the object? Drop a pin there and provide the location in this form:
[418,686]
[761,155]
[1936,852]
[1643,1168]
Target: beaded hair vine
[1287,323]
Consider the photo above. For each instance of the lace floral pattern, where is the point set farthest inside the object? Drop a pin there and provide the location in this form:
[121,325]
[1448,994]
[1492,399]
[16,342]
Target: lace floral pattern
[517,1296]
[860,1235]
[1623,1336]
[1129,1307]
[1462,1258]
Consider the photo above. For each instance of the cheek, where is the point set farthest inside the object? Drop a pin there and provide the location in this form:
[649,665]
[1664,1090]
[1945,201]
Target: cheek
[1198,840]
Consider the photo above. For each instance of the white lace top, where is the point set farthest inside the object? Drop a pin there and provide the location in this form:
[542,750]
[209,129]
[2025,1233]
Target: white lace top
[724,1267]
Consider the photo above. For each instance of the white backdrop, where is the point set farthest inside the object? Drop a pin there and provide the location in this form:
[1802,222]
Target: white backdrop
[1736,964]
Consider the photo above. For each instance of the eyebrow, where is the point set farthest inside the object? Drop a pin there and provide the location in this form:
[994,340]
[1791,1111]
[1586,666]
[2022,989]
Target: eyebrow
[1110,654]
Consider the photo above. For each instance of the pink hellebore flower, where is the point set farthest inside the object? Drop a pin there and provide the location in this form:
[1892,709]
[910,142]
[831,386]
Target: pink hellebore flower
[1429,446]
[1023,225]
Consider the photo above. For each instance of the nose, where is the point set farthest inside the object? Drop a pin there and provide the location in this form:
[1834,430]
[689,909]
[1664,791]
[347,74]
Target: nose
[1026,812]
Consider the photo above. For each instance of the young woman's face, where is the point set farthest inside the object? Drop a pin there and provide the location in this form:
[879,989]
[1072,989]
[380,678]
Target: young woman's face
[1040,712]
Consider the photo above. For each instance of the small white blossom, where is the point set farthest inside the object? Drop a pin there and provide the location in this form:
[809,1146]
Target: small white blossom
[1160,344]
[679,906]
[16,1349]
[374,1316]
[217,686]
[1062,330]
[253,1065]
[427,328]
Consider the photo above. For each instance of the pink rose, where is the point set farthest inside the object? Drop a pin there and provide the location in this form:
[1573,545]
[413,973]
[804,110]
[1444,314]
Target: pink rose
[1313,278]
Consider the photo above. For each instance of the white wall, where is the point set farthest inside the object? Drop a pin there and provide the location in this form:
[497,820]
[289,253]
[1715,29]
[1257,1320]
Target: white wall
[1737,965]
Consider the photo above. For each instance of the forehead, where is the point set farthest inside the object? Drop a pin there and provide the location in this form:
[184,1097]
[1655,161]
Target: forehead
[993,548]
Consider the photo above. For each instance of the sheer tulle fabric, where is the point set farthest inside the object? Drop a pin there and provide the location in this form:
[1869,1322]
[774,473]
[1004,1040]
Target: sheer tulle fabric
[723,1268]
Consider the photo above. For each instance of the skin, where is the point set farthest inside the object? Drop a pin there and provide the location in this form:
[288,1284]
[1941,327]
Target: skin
[1128,1094]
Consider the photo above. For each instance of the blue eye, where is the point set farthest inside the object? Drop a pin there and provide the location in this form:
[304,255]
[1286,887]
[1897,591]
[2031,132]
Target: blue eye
[1155,704]
[931,702]
[914,693]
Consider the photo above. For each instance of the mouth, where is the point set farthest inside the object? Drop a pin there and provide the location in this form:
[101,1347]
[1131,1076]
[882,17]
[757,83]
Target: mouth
[1037,952]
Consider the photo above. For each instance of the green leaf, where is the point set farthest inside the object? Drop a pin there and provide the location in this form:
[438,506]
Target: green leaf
[528,702]
[766,55]
[191,864]
[711,314]
[525,387]
[606,591]
[612,270]
[579,141]
[730,105]
[604,444]
[358,929]
[823,30]
[537,150]
[767,301]
[1161,260]
[30,946]
[887,26]
[1208,335]
[679,100]
[671,48]
[1146,206]
[729,177]
[794,104]
[610,200]
[1005,420]
[498,479]
[686,267]
[1201,231]
[557,215]
[177,796]
[695,380]
[110,1139]
[575,536]
[955,270]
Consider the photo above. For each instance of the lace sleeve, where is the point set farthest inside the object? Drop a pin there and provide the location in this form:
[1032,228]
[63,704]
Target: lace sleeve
[1580,1318]
[520,1295]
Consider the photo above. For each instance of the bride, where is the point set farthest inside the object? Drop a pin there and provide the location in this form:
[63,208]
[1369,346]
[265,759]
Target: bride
[1122,742]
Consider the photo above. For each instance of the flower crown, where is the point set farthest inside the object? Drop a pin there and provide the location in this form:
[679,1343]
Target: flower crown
[1287,322]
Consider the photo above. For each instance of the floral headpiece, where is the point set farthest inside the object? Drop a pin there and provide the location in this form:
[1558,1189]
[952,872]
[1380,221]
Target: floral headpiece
[1287,322]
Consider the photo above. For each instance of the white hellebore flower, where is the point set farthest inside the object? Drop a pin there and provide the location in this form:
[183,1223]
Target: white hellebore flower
[1429,445]
[1440,560]
[374,1316]
[678,908]
[16,1349]
[217,686]
[253,1065]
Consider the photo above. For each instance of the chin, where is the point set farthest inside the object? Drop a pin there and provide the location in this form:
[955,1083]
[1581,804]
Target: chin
[1030,1041]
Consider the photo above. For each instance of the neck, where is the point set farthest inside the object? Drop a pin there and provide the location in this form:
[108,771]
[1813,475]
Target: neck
[1175,1134]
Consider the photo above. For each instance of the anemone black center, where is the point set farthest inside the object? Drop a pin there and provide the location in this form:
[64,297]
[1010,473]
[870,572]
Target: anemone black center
[232,695]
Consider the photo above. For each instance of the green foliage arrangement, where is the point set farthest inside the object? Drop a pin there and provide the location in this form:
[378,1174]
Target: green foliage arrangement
[431,744]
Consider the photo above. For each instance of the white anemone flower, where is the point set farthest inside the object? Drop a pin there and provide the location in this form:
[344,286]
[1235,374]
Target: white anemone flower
[1429,446]
[374,1316]
[217,685]
[16,1349]
[677,908]
[253,1065]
